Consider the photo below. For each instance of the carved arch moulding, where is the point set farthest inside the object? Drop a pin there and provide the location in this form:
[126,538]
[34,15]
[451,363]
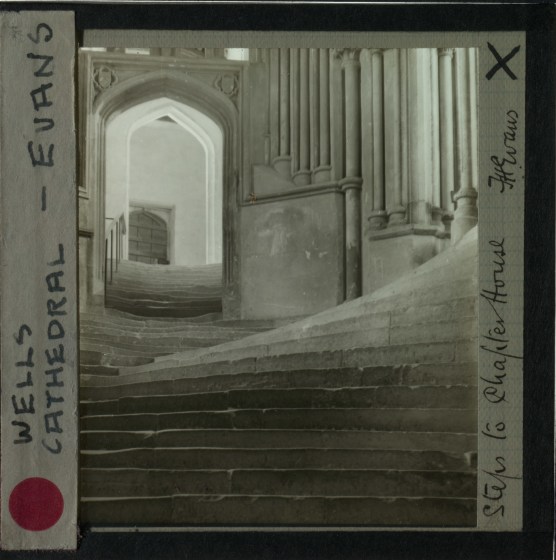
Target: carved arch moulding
[112,83]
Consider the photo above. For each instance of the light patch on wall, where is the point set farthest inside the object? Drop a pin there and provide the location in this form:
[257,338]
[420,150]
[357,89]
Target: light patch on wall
[236,54]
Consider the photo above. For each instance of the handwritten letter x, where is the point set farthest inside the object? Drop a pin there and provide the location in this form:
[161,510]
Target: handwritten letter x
[502,62]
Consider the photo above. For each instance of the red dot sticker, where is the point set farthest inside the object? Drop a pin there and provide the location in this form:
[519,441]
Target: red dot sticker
[36,504]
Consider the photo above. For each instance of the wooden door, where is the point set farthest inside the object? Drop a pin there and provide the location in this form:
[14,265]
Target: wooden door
[148,238]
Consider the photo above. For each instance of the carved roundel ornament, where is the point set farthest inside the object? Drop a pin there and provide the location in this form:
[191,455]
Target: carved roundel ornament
[104,77]
[227,84]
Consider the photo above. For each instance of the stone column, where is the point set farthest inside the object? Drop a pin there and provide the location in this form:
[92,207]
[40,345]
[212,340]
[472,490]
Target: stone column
[372,136]
[322,172]
[303,176]
[420,135]
[436,210]
[393,137]
[404,127]
[351,184]
[282,164]
[294,109]
[273,104]
[337,124]
[474,108]
[314,106]
[466,214]
[446,135]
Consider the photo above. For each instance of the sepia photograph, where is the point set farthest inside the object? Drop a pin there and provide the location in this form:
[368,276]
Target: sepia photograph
[278,293]
[276,287]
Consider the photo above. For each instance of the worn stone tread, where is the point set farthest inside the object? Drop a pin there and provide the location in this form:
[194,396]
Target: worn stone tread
[283,510]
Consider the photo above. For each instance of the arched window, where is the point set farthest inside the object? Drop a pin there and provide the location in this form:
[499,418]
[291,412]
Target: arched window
[148,238]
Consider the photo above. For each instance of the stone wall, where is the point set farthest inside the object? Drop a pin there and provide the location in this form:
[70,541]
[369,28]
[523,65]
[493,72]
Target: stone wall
[292,256]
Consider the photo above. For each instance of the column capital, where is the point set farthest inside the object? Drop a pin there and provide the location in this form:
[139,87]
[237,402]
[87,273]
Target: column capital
[350,183]
[348,56]
[446,52]
[466,192]
[372,50]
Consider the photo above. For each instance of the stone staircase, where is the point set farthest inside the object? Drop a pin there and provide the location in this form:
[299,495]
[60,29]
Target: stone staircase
[364,414]
[165,290]
[111,339]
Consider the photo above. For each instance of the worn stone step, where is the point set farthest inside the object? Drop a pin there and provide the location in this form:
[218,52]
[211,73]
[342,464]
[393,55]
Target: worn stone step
[170,310]
[178,366]
[384,419]
[135,268]
[398,320]
[177,294]
[94,369]
[215,377]
[280,510]
[131,334]
[92,356]
[444,442]
[268,357]
[91,347]
[457,396]
[398,338]
[147,348]
[225,458]
[131,299]
[273,481]
[97,314]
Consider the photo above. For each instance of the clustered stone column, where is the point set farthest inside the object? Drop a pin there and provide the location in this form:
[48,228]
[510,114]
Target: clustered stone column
[394,128]
[303,115]
[416,161]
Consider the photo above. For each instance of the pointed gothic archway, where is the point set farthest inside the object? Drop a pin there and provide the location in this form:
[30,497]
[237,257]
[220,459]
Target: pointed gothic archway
[148,83]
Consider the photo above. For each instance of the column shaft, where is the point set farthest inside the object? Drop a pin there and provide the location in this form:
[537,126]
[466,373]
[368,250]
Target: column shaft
[284,102]
[420,135]
[465,216]
[367,163]
[322,174]
[303,176]
[283,163]
[436,211]
[392,137]
[446,134]
[294,108]
[352,182]
[353,241]
[273,105]
[314,106]
[378,130]
[337,124]
[353,118]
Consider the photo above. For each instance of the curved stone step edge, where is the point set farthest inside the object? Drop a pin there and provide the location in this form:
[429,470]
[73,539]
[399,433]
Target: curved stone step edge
[460,350]
[384,419]
[243,375]
[246,458]
[260,346]
[379,396]
[444,442]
